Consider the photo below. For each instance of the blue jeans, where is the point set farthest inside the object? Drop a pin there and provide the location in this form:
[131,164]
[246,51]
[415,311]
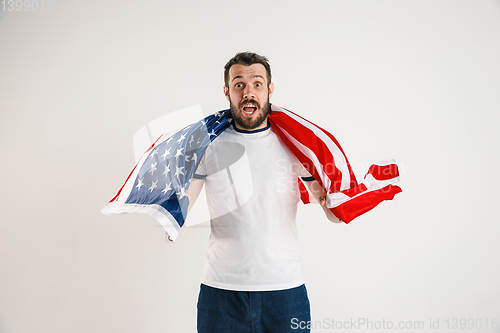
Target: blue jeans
[227,311]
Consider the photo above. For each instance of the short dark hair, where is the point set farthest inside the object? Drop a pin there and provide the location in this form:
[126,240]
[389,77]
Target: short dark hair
[247,59]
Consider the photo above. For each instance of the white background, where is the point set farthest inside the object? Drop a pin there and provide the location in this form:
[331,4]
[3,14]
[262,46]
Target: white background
[417,81]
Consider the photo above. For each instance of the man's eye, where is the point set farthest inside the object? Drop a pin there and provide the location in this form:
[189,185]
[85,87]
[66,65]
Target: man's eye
[258,84]
[238,85]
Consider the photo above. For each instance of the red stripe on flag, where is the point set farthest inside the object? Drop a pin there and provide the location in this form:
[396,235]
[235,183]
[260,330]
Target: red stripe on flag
[304,194]
[353,208]
[384,172]
[309,139]
[355,190]
[337,144]
[306,162]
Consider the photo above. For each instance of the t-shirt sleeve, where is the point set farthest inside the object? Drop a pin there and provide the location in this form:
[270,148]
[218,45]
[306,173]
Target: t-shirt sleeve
[305,175]
[201,172]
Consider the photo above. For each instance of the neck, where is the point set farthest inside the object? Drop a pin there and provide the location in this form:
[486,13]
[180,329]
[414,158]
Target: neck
[262,125]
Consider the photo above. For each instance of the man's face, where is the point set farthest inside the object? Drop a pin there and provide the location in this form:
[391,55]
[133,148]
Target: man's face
[248,96]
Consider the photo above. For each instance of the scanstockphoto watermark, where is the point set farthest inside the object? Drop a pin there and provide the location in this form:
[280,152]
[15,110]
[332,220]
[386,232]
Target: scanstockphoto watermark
[27,5]
[361,323]
[365,323]
[286,183]
[284,167]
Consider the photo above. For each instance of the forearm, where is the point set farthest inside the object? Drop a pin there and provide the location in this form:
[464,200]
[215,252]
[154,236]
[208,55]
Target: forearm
[194,191]
[329,215]
[320,195]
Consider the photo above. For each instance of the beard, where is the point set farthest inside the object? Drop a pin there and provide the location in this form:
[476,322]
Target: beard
[244,122]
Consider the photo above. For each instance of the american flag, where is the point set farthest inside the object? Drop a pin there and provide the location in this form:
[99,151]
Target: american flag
[324,158]
[158,183]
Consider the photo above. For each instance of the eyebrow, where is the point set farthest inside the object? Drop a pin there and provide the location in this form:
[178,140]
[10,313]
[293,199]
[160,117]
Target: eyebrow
[240,77]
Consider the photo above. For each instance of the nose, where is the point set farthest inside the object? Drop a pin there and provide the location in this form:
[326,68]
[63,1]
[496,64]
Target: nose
[249,93]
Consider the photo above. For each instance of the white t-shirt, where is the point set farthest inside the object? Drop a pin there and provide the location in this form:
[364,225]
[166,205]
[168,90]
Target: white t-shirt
[252,194]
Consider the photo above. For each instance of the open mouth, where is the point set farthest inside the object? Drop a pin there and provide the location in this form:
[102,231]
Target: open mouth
[249,109]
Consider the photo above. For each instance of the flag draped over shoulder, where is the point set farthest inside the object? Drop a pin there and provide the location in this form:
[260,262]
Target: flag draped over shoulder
[323,157]
[157,185]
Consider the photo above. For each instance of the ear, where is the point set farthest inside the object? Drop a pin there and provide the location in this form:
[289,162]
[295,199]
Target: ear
[271,89]
[226,92]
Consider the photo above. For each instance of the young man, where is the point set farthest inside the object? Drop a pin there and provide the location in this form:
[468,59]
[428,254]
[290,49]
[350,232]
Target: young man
[252,281]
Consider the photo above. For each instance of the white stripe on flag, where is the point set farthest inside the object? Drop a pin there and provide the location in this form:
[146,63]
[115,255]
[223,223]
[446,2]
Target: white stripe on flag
[335,199]
[338,157]
[310,154]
